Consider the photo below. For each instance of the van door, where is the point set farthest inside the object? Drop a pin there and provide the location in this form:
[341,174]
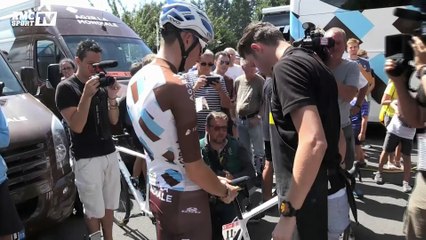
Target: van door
[46,51]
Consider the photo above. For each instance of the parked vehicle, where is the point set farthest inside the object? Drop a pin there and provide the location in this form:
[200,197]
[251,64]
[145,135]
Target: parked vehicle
[280,17]
[41,181]
[35,39]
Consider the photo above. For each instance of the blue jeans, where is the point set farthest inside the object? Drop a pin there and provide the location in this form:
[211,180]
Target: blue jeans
[251,137]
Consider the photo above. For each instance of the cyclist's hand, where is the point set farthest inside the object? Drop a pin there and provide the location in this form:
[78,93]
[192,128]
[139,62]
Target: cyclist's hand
[284,229]
[228,175]
[233,193]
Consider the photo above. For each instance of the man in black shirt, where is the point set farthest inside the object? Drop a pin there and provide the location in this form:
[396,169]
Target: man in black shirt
[88,110]
[305,134]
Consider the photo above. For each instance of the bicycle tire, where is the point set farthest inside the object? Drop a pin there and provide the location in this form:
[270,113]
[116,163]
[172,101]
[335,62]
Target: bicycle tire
[122,213]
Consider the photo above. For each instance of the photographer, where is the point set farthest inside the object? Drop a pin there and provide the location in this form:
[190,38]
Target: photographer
[89,109]
[414,114]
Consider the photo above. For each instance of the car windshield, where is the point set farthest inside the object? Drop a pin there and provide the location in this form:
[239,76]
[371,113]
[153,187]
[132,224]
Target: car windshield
[11,84]
[124,50]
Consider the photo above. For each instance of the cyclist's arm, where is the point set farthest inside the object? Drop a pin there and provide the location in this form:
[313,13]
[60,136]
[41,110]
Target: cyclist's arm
[186,126]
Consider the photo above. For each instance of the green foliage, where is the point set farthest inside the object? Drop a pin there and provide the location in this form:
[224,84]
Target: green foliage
[229,18]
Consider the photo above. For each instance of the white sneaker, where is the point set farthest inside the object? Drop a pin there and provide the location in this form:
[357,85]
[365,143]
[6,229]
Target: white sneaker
[406,187]
[378,177]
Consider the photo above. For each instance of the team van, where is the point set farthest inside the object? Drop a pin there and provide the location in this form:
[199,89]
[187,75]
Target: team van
[40,177]
[43,35]
[35,39]
[280,17]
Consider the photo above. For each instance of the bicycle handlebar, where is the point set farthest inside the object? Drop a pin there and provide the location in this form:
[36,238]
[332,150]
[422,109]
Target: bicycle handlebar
[239,181]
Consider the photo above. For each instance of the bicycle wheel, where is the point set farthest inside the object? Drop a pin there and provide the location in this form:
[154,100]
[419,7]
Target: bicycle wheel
[122,213]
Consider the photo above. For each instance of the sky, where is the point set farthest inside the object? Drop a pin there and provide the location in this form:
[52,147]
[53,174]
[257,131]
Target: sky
[100,4]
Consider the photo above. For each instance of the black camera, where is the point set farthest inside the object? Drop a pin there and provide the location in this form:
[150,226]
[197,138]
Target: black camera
[104,80]
[398,47]
[314,40]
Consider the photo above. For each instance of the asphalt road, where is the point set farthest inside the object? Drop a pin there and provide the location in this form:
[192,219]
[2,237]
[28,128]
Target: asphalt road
[380,213]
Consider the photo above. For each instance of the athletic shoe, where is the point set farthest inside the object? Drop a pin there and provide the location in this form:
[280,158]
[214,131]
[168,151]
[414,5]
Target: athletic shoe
[378,178]
[406,187]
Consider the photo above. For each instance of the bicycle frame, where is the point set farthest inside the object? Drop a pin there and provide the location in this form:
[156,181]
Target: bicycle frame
[237,229]
[143,203]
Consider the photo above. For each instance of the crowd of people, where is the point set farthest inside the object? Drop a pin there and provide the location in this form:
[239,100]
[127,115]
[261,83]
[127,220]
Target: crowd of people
[205,118]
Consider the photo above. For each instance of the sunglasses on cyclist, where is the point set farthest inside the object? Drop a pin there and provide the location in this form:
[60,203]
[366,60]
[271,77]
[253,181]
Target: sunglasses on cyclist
[205,64]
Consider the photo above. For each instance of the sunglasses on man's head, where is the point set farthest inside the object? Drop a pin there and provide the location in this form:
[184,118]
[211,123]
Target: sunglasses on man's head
[205,64]
[224,62]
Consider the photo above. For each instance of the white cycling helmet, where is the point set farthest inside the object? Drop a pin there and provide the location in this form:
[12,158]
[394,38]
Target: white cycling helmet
[187,16]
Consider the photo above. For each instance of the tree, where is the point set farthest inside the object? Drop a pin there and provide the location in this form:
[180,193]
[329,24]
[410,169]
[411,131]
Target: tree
[143,20]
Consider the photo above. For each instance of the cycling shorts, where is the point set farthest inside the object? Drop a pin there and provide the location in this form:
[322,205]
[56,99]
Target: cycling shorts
[180,215]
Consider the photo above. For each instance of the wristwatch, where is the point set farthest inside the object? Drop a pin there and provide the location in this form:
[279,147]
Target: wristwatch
[421,71]
[287,210]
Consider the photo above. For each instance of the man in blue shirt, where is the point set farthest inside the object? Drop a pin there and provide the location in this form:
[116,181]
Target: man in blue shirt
[9,219]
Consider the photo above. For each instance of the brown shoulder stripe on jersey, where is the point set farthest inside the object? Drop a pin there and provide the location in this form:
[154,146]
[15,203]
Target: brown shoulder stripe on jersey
[147,131]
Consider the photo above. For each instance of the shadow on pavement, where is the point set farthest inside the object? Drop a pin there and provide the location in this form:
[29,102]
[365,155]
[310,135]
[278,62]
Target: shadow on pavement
[364,233]
[133,233]
[73,228]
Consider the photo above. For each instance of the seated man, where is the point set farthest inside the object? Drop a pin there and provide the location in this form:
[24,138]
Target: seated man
[227,158]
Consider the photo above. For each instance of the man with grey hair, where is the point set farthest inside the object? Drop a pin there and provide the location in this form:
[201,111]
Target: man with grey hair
[349,81]
[234,70]
[213,96]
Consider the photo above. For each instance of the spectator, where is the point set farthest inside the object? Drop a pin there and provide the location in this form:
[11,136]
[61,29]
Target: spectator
[227,158]
[304,136]
[162,110]
[215,96]
[398,133]
[67,68]
[387,110]
[349,80]
[363,63]
[10,222]
[359,127]
[222,62]
[248,100]
[234,69]
[88,111]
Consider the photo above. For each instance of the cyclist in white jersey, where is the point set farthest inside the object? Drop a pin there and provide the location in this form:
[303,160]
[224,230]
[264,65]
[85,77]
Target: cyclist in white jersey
[162,110]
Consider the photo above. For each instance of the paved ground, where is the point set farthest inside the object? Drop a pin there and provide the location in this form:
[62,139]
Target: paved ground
[380,212]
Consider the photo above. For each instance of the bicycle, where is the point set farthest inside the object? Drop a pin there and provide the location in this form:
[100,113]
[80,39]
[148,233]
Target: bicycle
[237,229]
[122,214]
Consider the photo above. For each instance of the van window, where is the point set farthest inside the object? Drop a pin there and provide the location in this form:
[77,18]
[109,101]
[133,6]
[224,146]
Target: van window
[11,84]
[124,50]
[366,4]
[47,53]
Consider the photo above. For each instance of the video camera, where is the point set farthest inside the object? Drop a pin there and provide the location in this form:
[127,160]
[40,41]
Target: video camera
[314,40]
[398,47]
[105,80]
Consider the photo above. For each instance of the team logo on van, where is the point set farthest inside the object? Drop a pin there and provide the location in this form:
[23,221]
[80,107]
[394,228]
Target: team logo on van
[34,19]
